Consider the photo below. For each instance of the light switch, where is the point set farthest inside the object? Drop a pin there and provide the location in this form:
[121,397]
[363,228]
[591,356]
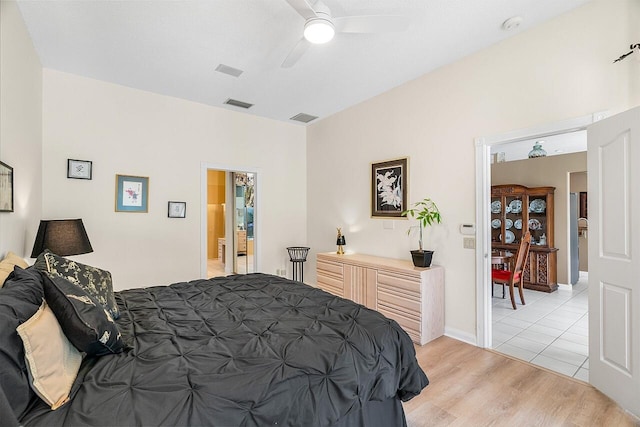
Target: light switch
[469,242]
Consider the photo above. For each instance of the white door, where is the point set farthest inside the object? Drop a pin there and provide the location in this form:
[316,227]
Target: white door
[614,257]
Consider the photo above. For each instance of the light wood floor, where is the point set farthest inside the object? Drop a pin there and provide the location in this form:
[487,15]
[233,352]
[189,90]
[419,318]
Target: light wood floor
[470,386]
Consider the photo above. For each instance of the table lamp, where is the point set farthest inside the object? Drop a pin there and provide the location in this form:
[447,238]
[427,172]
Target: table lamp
[63,237]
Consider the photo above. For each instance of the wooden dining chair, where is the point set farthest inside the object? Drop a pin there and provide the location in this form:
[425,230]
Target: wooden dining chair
[513,276]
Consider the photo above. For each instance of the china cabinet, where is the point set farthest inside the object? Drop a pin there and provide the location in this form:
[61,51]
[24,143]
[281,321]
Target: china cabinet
[516,209]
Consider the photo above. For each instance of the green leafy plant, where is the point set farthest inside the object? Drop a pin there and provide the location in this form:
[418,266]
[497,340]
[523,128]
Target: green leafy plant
[427,214]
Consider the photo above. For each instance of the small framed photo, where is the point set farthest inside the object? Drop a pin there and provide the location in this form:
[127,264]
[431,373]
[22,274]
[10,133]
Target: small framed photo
[389,182]
[132,193]
[79,169]
[177,210]
[6,188]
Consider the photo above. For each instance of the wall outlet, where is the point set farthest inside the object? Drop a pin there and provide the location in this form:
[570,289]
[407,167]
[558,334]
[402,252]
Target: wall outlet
[469,242]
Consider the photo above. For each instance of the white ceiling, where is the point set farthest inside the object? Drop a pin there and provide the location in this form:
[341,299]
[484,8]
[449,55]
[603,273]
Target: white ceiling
[554,145]
[172,47]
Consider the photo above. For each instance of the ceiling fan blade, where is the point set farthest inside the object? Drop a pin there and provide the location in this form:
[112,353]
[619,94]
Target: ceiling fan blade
[303,8]
[371,24]
[296,53]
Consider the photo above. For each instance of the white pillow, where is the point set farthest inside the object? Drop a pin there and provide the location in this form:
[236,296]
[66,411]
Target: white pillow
[53,362]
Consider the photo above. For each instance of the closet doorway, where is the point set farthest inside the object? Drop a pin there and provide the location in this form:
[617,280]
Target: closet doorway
[230,222]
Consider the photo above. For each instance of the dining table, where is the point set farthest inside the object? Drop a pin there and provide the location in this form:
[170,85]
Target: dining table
[501,260]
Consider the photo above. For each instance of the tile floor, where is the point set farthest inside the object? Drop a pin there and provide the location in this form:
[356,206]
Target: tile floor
[215,267]
[551,330]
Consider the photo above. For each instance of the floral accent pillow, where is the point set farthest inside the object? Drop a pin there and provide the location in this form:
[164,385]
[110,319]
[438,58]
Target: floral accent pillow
[94,281]
[88,325]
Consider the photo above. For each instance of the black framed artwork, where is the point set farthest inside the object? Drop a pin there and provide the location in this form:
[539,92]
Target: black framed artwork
[389,182]
[177,210]
[79,169]
[6,188]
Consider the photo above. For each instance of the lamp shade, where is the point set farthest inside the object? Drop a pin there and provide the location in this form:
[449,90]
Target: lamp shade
[63,237]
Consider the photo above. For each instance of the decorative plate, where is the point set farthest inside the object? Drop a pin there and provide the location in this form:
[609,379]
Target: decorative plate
[537,206]
[516,206]
[509,237]
[496,206]
[534,224]
[518,224]
[507,209]
[496,223]
[508,223]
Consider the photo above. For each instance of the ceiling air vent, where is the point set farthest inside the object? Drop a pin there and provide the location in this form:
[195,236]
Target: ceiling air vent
[237,103]
[304,118]
[225,69]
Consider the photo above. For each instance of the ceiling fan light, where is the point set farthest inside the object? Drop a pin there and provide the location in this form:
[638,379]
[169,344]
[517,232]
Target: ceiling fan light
[319,30]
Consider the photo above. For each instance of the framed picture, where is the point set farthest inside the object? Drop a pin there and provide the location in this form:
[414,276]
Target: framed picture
[132,193]
[6,188]
[79,169]
[583,205]
[389,182]
[177,210]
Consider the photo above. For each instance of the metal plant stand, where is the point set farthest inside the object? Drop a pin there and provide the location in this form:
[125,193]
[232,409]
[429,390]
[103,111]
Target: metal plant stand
[298,255]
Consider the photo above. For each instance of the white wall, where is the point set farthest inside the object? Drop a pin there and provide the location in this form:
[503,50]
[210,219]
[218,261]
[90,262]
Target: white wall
[559,70]
[128,131]
[20,130]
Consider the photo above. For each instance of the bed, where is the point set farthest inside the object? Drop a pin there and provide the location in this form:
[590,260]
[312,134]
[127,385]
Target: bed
[242,350]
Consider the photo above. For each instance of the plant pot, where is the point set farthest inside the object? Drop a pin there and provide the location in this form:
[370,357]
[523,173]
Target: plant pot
[422,258]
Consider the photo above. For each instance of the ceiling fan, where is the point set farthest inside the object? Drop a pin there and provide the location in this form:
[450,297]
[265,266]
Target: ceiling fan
[320,26]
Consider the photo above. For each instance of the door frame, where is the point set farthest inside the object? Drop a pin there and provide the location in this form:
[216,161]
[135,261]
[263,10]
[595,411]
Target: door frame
[257,232]
[483,215]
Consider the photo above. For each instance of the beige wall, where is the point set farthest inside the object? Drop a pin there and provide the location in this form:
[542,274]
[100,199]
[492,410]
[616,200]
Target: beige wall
[128,131]
[559,70]
[552,171]
[20,130]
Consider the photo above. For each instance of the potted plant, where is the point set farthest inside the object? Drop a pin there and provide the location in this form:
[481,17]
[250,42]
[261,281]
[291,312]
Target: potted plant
[427,213]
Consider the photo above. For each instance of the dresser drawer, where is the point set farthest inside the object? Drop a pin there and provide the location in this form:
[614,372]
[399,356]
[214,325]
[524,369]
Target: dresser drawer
[330,284]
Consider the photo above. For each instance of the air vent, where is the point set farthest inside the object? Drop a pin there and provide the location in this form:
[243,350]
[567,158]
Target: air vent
[225,69]
[304,118]
[237,103]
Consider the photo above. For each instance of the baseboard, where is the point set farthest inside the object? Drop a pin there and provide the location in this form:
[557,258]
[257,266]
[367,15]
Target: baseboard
[460,335]
[564,287]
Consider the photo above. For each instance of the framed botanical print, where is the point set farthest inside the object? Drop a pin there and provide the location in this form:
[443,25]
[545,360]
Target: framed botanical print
[132,193]
[6,188]
[389,182]
[79,169]
[177,210]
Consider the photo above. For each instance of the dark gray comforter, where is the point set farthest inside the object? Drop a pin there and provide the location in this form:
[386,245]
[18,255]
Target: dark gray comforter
[241,351]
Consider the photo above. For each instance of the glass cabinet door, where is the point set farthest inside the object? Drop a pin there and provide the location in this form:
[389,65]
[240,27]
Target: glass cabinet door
[538,220]
[496,219]
[513,223]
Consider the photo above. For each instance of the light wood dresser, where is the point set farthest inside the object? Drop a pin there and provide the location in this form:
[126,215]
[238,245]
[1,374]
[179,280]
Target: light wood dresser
[412,296]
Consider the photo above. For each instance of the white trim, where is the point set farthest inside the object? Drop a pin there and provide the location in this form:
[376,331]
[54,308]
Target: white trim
[483,197]
[257,239]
